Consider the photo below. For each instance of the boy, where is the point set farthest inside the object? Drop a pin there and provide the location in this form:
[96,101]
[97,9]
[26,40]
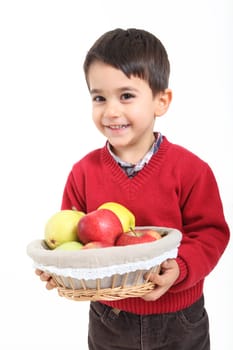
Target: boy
[127,73]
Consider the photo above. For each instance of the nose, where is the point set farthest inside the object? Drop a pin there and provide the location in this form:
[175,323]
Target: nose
[112,109]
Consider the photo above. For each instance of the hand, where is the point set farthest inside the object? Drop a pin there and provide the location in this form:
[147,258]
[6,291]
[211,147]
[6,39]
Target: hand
[46,278]
[163,281]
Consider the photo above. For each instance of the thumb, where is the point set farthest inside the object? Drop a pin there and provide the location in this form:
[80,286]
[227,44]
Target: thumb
[165,265]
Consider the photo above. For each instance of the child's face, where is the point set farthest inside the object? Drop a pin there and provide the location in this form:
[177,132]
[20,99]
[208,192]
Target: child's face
[123,109]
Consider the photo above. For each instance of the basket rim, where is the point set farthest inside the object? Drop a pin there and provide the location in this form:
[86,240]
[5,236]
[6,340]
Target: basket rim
[115,255]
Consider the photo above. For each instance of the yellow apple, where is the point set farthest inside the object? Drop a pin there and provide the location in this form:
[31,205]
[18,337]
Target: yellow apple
[125,216]
[62,227]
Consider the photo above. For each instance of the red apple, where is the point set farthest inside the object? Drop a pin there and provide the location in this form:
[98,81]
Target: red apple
[137,236]
[95,245]
[100,225]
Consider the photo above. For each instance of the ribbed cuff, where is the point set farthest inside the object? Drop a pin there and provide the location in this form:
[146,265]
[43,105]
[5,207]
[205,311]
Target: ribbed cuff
[183,271]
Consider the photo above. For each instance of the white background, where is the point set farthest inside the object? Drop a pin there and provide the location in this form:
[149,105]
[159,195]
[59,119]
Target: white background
[46,126]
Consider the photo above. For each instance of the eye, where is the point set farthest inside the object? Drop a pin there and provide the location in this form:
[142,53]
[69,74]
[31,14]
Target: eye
[127,96]
[98,99]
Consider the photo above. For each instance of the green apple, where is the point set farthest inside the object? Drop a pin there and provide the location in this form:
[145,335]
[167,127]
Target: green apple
[125,216]
[62,227]
[72,245]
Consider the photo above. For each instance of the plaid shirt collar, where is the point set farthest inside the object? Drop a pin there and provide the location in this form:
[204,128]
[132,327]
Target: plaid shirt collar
[132,169]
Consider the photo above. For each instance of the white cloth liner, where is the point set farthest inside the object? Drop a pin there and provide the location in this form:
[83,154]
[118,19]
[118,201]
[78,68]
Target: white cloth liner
[101,272]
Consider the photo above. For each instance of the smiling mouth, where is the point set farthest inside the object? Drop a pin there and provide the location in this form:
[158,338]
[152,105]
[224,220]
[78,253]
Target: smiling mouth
[117,127]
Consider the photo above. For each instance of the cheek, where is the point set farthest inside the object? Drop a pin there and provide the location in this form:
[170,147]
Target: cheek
[145,106]
[95,115]
[135,111]
[96,118]
[144,113]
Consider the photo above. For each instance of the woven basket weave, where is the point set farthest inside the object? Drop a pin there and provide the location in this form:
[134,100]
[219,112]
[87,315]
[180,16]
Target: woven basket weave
[66,288]
[106,273]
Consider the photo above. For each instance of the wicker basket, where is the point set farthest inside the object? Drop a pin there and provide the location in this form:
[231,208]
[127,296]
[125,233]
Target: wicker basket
[66,288]
[106,273]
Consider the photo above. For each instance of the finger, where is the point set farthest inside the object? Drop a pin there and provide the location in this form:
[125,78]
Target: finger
[153,277]
[155,294]
[51,284]
[167,264]
[38,272]
[45,277]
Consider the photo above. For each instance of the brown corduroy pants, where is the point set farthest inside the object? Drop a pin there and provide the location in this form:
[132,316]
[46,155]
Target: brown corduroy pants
[112,329]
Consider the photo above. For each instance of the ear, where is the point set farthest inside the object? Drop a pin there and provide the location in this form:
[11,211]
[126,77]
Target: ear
[162,102]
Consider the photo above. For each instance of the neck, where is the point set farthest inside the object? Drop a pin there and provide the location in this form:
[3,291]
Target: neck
[134,153]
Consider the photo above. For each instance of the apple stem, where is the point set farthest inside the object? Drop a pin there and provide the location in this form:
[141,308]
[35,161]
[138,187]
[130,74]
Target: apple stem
[132,230]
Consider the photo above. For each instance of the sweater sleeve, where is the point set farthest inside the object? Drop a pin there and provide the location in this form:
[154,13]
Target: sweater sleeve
[205,231]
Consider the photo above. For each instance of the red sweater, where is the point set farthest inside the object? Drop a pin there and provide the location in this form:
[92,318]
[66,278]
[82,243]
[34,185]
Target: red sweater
[175,189]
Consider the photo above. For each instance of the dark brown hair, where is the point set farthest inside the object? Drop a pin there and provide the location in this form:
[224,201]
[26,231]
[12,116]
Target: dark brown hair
[135,52]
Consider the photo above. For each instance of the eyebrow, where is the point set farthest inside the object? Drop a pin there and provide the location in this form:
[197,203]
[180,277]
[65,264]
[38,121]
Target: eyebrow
[122,89]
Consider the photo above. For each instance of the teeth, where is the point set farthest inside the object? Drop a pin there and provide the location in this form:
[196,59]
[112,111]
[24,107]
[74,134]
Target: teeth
[117,126]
